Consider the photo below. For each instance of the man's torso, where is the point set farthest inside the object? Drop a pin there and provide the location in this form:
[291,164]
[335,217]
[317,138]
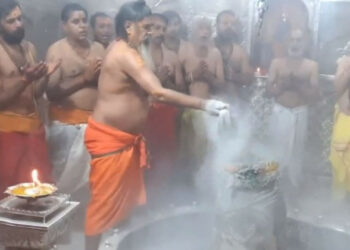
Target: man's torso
[121,102]
[191,62]
[73,65]
[24,103]
[293,74]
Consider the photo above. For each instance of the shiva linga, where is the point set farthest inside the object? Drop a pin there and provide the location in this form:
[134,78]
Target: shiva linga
[34,215]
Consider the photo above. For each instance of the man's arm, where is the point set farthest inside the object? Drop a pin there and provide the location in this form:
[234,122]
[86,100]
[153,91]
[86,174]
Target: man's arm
[342,77]
[245,76]
[274,87]
[60,87]
[219,74]
[179,77]
[134,67]
[39,85]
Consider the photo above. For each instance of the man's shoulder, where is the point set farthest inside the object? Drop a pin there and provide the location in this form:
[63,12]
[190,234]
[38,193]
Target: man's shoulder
[311,64]
[278,61]
[185,46]
[171,55]
[120,52]
[28,44]
[240,50]
[215,51]
[97,47]
[57,46]
[344,60]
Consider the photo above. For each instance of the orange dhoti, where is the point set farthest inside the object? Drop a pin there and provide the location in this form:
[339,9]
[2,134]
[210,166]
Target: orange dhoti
[116,176]
[22,148]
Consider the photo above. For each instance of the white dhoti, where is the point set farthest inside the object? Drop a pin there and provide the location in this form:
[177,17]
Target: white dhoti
[70,158]
[287,133]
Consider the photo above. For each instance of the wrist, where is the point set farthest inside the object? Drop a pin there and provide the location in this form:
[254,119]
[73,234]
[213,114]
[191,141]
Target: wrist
[25,80]
[203,104]
[85,80]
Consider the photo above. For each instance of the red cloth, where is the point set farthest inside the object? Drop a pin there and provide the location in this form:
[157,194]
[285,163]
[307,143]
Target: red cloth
[20,153]
[162,141]
[116,176]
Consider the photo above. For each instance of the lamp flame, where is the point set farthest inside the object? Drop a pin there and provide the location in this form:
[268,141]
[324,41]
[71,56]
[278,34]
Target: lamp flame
[35,177]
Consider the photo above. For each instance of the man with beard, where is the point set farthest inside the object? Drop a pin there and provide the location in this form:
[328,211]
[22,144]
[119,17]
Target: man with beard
[22,82]
[173,39]
[340,144]
[102,27]
[161,126]
[72,90]
[236,61]
[293,82]
[204,76]
[113,136]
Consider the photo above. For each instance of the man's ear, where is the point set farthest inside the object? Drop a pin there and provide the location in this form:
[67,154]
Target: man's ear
[128,27]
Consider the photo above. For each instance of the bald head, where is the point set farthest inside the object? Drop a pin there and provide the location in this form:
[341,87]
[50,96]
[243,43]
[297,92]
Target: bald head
[201,30]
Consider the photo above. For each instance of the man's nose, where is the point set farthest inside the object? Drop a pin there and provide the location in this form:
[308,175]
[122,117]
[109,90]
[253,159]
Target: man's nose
[19,24]
[82,25]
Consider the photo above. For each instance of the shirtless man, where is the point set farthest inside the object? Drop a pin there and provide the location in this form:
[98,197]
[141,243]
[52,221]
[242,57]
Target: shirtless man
[173,38]
[166,64]
[293,83]
[22,82]
[102,27]
[340,144]
[204,76]
[201,61]
[237,69]
[161,126]
[113,134]
[72,90]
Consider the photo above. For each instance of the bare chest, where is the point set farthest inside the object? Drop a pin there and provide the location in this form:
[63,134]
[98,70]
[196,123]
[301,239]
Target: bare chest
[193,61]
[300,72]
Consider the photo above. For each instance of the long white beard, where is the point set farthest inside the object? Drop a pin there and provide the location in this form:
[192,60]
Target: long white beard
[146,56]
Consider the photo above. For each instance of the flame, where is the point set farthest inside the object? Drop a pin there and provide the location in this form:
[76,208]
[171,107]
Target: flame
[35,177]
[258,70]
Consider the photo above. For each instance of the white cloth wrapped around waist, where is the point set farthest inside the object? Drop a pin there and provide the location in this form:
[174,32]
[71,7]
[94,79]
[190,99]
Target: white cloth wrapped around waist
[69,156]
[287,135]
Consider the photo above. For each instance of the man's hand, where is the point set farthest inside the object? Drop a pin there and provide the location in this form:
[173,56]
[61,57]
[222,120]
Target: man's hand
[33,73]
[206,74]
[52,67]
[197,74]
[214,107]
[92,71]
[164,74]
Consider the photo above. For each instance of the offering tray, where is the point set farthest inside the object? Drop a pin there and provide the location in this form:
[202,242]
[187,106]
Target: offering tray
[31,191]
[40,210]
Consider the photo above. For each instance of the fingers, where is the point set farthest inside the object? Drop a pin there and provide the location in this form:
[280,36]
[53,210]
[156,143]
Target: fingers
[40,71]
[35,72]
[98,65]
